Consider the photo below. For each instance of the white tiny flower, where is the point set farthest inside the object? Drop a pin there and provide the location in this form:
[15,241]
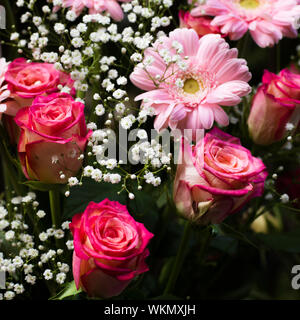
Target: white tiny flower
[100,110]
[71,15]
[118,94]
[289,126]
[126,123]
[9,235]
[97,175]
[9,295]
[132,17]
[111,164]
[70,244]
[73,181]
[48,275]
[14,36]
[65,225]
[131,196]
[81,27]
[19,288]
[59,234]
[59,28]
[64,268]
[46,9]
[61,277]
[30,279]
[115,178]
[43,236]
[87,171]
[41,214]
[142,134]
[285,198]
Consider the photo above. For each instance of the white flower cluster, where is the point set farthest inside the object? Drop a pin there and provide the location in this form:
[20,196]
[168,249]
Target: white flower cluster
[28,256]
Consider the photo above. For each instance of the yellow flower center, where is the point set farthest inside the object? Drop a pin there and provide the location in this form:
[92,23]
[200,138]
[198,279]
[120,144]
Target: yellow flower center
[249,4]
[191,86]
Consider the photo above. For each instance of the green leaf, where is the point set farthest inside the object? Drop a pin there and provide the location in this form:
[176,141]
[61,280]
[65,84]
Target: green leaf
[165,271]
[144,208]
[69,291]
[90,190]
[288,242]
[225,244]
[40,186]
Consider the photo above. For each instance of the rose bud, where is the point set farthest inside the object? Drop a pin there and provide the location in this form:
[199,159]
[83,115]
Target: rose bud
[53,136]
[200,24]
[274,106]
[216,178]
[109,248]
[28,80]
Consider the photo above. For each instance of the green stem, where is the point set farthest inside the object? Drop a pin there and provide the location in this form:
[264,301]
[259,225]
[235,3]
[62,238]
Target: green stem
[181,253]
[10,171]
[9,13]
[207,235]
[54,198]
[8,189]
[242,45]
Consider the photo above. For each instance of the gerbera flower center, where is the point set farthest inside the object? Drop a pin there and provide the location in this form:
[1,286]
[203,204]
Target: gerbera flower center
[249,4]
[191,86]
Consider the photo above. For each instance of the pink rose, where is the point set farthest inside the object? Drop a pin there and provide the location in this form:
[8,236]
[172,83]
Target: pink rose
[53,136]
[109,248]
[200,24]
[27,81]
[216,178]
[275,104]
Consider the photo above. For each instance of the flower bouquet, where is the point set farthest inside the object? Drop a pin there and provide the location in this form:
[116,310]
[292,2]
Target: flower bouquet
[149,149]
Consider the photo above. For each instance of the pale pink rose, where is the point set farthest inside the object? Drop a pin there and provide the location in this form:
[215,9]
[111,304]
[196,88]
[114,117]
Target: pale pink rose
[27,81]
[189,93]
[110,248]
[276,103]
[53,136]
[202,25]
[4,92]
[96,6]
[267,20]
[216,178]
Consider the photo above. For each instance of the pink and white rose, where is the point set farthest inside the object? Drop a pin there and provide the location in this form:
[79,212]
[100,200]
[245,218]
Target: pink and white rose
[28,80]
[110,248]
[216,178]
[276,103]
[53,136]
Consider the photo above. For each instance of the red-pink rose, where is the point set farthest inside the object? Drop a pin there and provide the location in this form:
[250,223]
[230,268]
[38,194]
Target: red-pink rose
[53,136]
[110,248]
[216,178]
[28,80]
[202,25]
[275,104]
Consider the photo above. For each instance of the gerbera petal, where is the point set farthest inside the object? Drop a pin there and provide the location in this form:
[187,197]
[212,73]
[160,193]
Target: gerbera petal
[188,38]
[229,93]
[178,113]
[220,116]
[233,69]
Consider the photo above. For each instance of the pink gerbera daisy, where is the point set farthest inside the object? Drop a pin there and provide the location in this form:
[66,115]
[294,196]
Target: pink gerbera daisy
[4,93]
[188,79]
[267,20]
[97,6]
